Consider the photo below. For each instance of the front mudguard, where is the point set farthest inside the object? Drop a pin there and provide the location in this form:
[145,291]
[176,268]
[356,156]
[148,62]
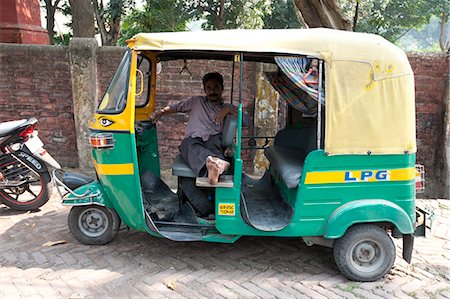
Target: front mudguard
[91,193]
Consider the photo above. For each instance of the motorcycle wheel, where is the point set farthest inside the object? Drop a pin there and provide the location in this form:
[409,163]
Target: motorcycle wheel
[29,196]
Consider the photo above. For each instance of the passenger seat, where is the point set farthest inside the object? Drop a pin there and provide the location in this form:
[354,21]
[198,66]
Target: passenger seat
[287,155]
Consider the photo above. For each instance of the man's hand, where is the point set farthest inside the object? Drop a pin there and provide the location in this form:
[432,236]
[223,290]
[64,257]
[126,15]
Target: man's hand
[220,116]
[156,116]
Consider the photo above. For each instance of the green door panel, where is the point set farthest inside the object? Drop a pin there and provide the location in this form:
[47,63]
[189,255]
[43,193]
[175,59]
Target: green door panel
[147,149]
[366,211]
[118,171]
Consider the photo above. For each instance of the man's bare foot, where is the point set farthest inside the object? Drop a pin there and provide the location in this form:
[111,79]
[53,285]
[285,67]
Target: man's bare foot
[216,167]
[213,170]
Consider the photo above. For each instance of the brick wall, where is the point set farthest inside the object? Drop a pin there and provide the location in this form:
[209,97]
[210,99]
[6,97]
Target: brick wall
[431,81]
[36,81]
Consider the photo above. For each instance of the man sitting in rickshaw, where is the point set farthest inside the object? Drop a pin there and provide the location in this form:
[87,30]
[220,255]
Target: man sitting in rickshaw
[201,147]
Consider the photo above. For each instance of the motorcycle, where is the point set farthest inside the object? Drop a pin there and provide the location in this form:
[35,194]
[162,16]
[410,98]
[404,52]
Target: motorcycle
[24,176]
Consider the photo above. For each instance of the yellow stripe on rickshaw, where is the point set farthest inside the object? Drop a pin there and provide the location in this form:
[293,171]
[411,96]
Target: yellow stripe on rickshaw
[114,169]
[360,176]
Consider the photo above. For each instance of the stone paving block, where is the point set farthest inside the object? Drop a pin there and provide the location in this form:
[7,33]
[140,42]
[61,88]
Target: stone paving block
[325,292]
[344,294]
[222,290]
[210,276]
[185,291]
[331,281]
[412,286]
[257,290]
[365,294]
[433,288]
[400,294]
[158,277]
[203,289]
[307,291]
[277,292]
[240,291]
[382,293]
[315,279]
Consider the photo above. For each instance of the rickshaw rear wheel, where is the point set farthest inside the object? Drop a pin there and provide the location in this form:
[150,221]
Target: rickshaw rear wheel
[365,253]
[93,225]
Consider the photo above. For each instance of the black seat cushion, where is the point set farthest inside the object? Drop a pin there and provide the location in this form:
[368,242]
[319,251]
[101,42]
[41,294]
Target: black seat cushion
[287,162]
[289,151]
[180,168]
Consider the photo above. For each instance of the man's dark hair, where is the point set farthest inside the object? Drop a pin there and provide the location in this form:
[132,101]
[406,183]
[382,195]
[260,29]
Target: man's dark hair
[213,76]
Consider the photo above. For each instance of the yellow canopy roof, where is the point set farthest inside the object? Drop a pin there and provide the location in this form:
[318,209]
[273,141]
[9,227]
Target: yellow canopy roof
[369,81]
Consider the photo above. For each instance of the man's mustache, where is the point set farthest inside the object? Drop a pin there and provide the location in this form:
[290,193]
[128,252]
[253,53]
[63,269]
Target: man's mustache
[213,95]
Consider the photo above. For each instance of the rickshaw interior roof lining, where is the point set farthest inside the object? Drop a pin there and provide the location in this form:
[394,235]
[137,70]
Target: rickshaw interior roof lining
[219,55]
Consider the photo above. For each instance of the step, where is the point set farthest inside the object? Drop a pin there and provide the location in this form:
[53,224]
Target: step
[225,181]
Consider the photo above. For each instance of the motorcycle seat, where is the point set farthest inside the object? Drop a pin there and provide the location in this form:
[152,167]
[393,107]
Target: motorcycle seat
[10,126]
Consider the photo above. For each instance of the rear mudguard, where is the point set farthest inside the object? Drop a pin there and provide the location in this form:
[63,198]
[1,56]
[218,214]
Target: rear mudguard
[367,211]
[91,193]
[32,162]
[372,211]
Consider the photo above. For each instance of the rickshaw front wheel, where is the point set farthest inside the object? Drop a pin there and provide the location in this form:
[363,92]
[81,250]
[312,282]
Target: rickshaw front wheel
[93,225]
[365,253]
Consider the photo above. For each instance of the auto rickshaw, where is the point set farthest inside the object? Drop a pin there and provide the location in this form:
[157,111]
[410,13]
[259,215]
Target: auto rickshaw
[343,177]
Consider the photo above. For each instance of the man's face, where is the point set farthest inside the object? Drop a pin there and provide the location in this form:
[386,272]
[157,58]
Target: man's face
[213,90]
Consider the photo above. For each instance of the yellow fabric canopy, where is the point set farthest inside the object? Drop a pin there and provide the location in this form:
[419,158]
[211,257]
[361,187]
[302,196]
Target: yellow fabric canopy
[369,82]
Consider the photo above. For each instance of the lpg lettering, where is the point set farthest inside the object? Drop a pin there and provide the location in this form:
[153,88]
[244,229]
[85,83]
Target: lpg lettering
[366,176]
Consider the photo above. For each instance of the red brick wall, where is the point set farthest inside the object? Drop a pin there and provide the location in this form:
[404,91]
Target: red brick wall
[431,80]
[35,81]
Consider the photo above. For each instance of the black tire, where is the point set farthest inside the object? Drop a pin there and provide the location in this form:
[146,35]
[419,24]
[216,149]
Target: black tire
[365,253]
[29,196]
[195,196]
[93,225]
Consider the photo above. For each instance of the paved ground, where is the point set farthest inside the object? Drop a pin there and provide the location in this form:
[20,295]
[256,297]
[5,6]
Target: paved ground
[137,265]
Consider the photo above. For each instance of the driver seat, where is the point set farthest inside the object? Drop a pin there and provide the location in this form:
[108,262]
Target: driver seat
[180,167]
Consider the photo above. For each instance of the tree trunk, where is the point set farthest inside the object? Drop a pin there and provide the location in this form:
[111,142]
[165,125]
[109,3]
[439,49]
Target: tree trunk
[82,18]
[50,10]
[322,13]
[444,45]
[221,13]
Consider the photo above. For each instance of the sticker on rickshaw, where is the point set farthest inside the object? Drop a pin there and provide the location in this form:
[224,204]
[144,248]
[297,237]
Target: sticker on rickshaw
[226,209]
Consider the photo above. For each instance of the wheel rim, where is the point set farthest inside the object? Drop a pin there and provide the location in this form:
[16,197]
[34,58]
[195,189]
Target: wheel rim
[367,255]
[93,222]
[27,193]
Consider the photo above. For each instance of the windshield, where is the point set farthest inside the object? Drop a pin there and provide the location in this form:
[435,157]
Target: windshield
[115,98]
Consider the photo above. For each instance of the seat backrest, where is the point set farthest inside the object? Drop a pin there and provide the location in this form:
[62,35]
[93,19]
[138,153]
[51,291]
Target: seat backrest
[303,139]
[229,130]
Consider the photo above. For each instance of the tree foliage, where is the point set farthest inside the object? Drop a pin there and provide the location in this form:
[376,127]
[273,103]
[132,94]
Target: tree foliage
[282,15]
[108,18]
[228,14]
[156,16]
